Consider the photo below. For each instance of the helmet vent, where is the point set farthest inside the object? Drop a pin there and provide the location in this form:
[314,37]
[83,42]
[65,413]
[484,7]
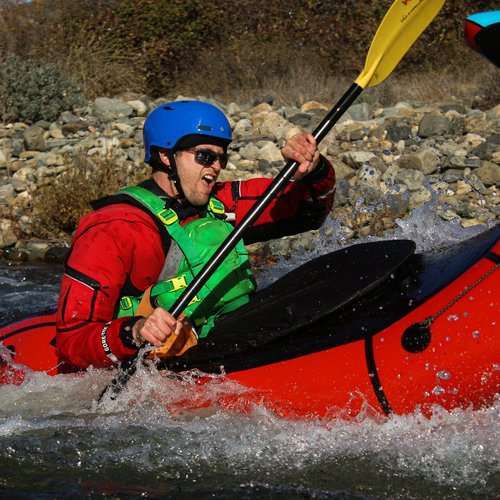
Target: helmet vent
[205,128]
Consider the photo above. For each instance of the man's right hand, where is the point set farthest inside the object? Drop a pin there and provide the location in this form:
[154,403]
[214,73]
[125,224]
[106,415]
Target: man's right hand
[157,327]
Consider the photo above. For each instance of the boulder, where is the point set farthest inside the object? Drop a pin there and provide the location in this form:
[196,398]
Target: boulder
[356,159]
[35,249]
[434,124]
[397,131]
[269,124]
[264,99]
[369,176]
[107,109]
[489,173]
[68,117]
[390,175]
[34,139]
[463,188]
[361,112]
[342,171]
[485,150]
[270,152]
[7,194]
[313,106]
[138,106]
[419,197]
[7,235]
[412,179]
[300,119]
[233,109]
[352,132]
[396,204]
[453,175]
[243,128]
[458,107]
[425,160]
[461,161]
[249,152]
[74,127]
[262,107]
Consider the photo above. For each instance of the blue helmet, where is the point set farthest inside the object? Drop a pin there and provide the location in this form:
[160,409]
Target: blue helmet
[170,124]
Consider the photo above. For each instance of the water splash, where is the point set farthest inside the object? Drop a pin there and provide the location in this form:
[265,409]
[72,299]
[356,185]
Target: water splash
[54,438]
[140,439]
[423,226]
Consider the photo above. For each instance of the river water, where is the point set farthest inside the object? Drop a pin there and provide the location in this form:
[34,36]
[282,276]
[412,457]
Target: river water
[56,443]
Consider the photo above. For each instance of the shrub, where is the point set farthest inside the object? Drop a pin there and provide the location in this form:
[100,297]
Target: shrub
[31,91]
[156,46]
[58,207]
[165,35]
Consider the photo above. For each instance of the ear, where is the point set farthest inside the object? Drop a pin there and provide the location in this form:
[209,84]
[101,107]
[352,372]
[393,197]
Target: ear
[164,158]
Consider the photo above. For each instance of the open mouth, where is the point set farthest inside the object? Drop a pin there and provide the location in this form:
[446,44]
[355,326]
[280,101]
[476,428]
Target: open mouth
[209,179]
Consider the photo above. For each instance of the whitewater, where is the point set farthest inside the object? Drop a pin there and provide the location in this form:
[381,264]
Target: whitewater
[56,442]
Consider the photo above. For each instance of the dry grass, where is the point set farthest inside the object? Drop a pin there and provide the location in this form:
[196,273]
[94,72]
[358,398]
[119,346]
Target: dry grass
[77,37]
[472,80]
[293,49]
[254,68]
[296,76]
[58,207]
[99,68]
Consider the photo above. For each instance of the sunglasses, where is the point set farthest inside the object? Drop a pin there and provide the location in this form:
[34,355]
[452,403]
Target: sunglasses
[207,157]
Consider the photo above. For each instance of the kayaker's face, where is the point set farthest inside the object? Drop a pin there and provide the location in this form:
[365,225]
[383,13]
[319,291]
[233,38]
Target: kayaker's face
[198,169]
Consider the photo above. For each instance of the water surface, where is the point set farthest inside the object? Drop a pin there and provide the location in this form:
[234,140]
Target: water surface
[55,442]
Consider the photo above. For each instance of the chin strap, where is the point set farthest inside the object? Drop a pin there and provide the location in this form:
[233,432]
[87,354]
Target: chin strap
[172,173]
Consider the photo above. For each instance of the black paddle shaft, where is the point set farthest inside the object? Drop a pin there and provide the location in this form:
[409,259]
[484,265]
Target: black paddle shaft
[273,189]
[127,368]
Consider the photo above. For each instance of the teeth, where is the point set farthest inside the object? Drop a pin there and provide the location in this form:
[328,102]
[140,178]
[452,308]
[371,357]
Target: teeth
[208,178]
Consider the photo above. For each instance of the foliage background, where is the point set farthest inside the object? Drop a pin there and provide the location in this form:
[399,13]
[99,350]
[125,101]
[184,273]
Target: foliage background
[295,49]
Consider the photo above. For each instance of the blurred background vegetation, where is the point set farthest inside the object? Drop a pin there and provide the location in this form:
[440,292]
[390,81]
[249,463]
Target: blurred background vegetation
[55,54]
[292,49]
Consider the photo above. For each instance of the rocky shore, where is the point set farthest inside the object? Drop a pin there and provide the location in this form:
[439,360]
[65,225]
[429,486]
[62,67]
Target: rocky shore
[388,161]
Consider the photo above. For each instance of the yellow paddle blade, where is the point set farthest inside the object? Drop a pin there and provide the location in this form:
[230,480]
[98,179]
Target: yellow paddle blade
[402,25]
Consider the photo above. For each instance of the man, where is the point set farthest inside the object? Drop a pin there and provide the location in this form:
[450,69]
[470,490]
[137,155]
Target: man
[129,245]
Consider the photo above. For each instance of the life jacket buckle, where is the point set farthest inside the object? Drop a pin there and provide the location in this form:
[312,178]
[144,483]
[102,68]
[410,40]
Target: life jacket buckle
[178,283]
[216,207]
[167,216]
[126,303]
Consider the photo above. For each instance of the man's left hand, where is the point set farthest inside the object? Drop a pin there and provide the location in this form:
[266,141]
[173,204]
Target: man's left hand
[302,148]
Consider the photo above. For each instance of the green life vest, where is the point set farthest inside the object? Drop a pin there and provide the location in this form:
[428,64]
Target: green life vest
[226,290]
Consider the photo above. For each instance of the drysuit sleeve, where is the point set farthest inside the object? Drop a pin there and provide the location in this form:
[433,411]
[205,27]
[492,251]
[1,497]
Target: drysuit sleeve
[101,264]
[303,205]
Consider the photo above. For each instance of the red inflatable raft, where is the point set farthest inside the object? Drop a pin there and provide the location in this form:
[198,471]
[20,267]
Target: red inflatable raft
[482,33]
[421,331]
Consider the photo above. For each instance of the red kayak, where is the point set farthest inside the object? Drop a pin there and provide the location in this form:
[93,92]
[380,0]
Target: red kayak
[372,326]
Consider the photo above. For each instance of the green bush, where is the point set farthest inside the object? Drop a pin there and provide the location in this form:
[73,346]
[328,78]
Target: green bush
[32,91]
